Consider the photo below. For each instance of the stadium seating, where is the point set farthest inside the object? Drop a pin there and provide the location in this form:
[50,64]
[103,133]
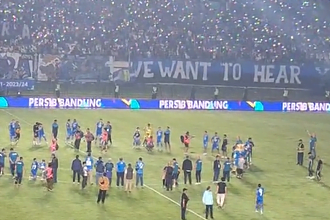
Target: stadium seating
[261,30]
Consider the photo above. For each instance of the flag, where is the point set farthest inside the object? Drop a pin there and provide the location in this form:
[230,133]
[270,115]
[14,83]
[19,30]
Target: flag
[123,75]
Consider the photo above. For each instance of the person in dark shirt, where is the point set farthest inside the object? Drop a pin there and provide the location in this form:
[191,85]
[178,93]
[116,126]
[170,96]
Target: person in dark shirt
[78,136]
[35,130]
[54,164]
[227,169]
[224,146]
[221,192]
[55,129]
[300,153]
[319,168]
[216,169]
[168,177]
[76,168]
[184,203]
[310,165]
[187,168]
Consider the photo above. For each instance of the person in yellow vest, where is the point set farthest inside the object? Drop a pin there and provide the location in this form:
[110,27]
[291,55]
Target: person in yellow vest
[147,134]
[300,153]
[103,188]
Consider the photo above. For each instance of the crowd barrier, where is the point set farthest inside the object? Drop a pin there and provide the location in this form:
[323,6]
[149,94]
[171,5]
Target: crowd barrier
[163,104]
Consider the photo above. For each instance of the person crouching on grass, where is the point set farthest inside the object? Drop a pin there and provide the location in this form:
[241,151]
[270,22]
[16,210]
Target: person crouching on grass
[129,173]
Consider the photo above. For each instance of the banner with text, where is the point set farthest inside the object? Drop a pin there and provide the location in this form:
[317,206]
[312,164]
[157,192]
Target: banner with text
[16,85]
[16,66]
[83,103]
[230,74]
[11,31]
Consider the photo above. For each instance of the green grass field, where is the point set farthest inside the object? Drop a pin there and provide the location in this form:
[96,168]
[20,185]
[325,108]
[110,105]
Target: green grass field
[289,195]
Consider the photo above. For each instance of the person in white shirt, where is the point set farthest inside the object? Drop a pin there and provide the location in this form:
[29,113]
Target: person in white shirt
[84,175]
[208,202]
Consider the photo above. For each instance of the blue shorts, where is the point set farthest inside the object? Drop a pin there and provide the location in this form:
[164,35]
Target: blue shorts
[34,172]
[214,147]
[159,142]
[260,202]
[68,133]
[98,133]
[205,145]
[12,136]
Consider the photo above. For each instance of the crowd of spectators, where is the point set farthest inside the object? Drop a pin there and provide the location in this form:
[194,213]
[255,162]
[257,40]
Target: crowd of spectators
[260,30]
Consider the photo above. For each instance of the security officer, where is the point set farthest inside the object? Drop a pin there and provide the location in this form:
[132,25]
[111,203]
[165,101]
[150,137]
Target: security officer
[184,203]
[300,153]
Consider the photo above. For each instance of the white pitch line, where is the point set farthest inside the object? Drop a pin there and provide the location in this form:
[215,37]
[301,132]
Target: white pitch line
[146,186]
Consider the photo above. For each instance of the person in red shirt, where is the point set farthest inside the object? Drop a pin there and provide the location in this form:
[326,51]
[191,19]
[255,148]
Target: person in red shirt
[186,141]
[89,137]
[53,145]
[49,177]
[150,143]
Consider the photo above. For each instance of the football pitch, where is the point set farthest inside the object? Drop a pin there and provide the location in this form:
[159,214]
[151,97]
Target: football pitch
[288,194]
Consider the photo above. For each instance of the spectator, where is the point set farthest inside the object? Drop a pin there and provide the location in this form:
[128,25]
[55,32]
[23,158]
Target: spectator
[260,30]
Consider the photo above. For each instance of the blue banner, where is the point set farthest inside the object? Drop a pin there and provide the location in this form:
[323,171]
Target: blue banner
[243,73]
[16,85]
[170,104]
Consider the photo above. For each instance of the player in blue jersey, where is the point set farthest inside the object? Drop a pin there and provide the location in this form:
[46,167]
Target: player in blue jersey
[167,141]
[68,130]
[42,167]
[19,171]
[312,144]
[34,169]
[215,143]
[260,199]
[41,133]
[248,150]
[74,127]
[12,131]
[250,144]
[205,142]
[159,134]
[176,173]
[89,164]
[98,131]
[2,161]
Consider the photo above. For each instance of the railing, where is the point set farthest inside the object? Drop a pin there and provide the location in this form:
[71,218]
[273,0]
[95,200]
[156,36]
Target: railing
[171,91]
